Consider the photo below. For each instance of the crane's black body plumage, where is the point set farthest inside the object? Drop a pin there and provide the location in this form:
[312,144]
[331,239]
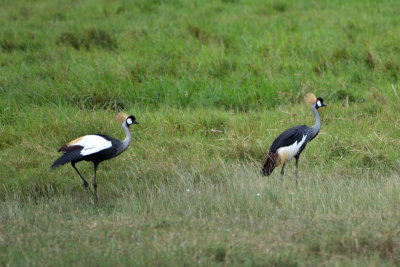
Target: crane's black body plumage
[104,148]
[289,137]
[74,155]
[105,154]
[69,156]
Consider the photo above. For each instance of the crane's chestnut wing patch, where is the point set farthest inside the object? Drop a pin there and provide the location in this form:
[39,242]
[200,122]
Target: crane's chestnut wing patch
[269,163]
[69,148]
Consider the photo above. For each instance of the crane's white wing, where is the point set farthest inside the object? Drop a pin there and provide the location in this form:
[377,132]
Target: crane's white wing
[286,153]
[91,144]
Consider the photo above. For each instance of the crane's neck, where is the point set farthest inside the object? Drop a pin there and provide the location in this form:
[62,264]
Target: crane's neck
[125,143]
[317,126]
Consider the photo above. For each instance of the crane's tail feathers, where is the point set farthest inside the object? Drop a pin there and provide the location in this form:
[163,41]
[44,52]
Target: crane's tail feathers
[310,99]
[270,163]
[70,156]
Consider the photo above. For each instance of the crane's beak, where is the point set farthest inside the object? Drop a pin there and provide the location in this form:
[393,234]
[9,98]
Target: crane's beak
[323,105]
[135,122]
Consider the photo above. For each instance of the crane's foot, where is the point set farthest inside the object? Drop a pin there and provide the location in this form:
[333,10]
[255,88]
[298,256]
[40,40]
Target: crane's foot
[87,187]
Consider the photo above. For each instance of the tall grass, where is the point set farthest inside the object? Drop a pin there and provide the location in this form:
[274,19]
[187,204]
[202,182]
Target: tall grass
[236,218]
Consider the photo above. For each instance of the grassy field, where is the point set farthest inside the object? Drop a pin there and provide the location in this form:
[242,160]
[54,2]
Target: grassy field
[212,84]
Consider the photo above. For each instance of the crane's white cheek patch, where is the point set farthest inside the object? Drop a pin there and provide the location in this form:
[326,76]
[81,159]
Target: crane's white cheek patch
[286,153]
[129,121]
[92,144]
[319,103]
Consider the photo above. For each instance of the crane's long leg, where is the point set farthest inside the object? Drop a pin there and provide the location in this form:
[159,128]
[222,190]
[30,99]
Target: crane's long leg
[297,172]
[282,171]
[85,183]
[94,179]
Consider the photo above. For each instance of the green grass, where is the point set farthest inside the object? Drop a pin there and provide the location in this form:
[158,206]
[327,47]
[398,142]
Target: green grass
[212,84]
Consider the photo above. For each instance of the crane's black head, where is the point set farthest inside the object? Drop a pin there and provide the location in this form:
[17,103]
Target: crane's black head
[319,103]
[131,120]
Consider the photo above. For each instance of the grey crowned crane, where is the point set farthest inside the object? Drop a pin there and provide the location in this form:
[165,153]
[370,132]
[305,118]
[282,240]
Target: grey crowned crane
[95,148]
[292,142]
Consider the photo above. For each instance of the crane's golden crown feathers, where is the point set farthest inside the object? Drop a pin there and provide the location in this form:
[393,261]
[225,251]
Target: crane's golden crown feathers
[310,99]
[121,117]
